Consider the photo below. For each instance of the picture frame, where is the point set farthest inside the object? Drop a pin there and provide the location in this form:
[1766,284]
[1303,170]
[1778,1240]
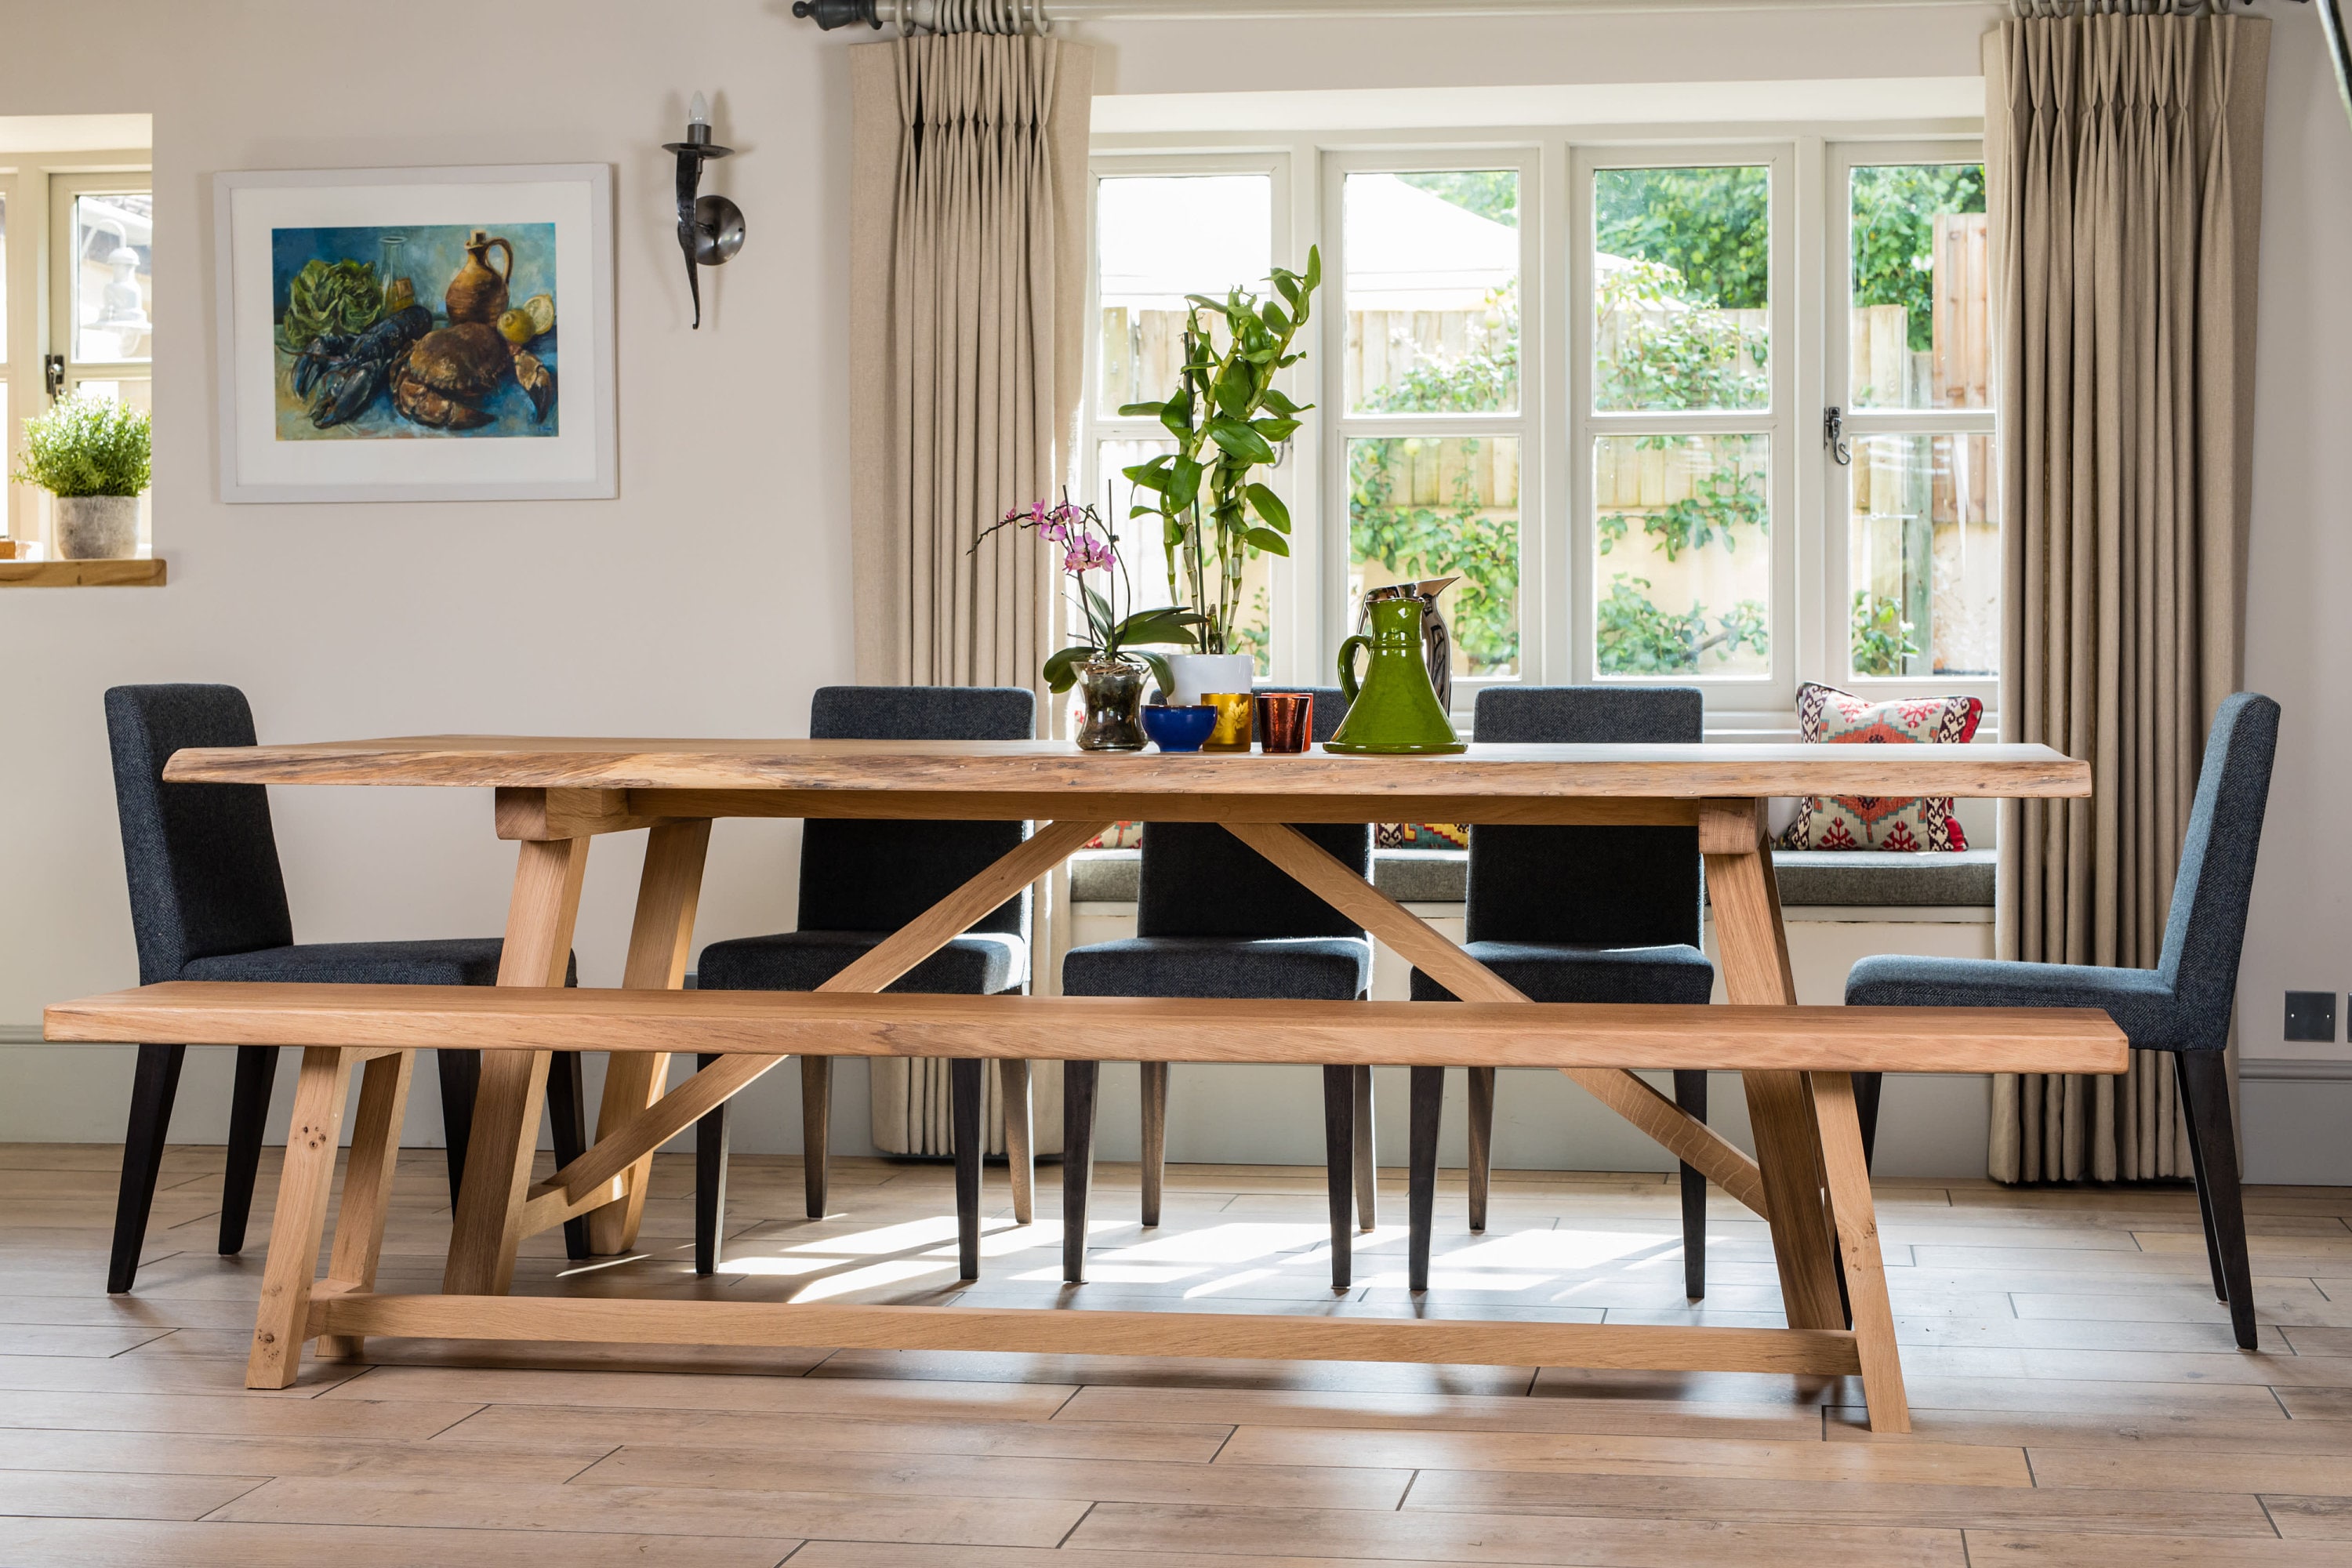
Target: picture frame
[415,334]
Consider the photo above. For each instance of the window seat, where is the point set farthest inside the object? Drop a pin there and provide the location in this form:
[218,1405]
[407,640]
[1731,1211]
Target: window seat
[1846,878]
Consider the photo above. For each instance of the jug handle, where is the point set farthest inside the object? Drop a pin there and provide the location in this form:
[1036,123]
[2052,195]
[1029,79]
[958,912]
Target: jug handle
[1347,646]
[507,279]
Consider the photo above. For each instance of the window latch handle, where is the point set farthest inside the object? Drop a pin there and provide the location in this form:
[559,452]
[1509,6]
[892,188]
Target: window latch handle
[1834,437]
[52,375]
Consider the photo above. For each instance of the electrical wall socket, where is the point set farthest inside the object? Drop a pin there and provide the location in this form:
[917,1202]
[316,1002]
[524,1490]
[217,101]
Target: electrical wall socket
[2311,1016]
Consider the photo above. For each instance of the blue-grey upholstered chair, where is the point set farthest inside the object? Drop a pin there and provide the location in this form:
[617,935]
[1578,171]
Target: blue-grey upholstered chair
[1213,918]
[1575,914]
[2182,1005]
[860,882]
[208,902]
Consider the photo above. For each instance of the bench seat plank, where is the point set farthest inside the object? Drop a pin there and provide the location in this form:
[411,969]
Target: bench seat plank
[1083,1028]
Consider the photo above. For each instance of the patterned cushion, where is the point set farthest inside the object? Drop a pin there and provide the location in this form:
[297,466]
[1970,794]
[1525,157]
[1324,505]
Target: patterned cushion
[1118,835]
[1825,714]
[1420,835]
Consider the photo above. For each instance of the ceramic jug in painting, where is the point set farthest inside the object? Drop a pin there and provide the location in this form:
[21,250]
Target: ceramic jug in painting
[1395,710]
[478,293]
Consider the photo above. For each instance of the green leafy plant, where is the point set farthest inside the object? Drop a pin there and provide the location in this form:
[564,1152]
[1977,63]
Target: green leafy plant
[1711,226]
[329,297]
[1883,639]
[1728,499]
[88,446]
[1637,637]
[1088,546]
[1675,350]
[1228,419]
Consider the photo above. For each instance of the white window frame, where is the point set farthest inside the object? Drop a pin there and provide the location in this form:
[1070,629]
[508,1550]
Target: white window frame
[1812,286]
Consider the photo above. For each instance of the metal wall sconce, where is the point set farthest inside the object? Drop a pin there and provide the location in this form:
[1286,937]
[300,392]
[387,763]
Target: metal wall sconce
[710,228]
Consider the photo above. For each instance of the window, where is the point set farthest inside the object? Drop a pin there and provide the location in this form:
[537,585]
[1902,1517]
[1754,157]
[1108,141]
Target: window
[80,319]
[1587,382]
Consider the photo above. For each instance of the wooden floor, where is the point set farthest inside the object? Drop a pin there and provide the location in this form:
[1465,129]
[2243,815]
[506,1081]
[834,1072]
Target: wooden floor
[2077,1399]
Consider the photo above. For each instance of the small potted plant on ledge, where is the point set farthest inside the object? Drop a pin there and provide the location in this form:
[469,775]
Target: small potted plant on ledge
[93,456]
[1109,664]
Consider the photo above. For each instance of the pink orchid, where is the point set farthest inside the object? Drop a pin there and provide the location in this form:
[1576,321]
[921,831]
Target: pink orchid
[1088,553]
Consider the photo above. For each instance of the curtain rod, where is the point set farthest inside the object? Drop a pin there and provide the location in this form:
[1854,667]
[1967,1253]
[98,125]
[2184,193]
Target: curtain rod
[1006,16]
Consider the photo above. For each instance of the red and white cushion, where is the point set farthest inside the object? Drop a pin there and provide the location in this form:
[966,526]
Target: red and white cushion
[1828,716]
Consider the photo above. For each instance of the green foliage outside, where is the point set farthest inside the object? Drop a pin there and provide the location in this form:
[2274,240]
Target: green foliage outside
[1490,193]
[88,446]
[1883,639]
[1673,353]
[1711,225]
[1895,210]
[1637,637]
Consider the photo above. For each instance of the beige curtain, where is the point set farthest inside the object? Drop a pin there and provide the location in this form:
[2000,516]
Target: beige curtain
[968,247]
[2123,163]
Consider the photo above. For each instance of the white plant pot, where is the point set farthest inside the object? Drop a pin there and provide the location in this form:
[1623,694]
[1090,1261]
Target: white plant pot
[1198,674]
[96,528]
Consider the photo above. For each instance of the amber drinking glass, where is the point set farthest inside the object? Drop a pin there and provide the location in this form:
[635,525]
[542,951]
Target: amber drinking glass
[1287,721]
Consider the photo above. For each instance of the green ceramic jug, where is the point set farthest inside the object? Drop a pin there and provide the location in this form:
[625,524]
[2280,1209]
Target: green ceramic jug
[1396,711]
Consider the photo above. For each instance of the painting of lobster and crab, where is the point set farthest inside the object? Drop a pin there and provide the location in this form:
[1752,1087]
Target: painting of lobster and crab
[433,330]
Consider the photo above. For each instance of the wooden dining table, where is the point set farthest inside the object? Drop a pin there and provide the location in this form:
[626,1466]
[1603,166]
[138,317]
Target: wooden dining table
[555,796]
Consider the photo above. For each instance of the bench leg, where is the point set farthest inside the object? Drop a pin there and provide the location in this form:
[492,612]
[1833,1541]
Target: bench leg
[1368,1167]
[1340,1168]
[249,1119]
[1482,1143]
[1020,1141]
[1078,1080]
[367,1187]
[816,1132]
[1690,1094]
[710,1182]
[154,1086]
[282,1321]
[1848,1178]
[1428,1107]
[1155,1139]
[967,1082]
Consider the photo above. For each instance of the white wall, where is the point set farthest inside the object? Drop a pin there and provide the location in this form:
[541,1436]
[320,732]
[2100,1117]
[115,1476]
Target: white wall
[712,597]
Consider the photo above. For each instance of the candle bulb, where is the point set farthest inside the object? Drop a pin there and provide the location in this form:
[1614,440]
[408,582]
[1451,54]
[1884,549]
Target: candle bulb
[700,111]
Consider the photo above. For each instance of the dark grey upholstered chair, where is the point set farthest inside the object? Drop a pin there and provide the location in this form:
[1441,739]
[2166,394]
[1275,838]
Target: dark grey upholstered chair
[2182,1005]
[1575,914]
[860,882]
[208,902]
[1213,918]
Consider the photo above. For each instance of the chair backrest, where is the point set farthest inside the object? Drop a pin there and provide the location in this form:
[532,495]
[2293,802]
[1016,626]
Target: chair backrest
[201,858]
[1601,886]
[878,876]
[1198,880]
[2206,929]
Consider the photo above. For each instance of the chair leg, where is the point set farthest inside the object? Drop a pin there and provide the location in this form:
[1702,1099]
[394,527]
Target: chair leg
[1368,1164]
[1078,1080]
[1428,1106]
[461,1080]
[2213,1149]
[817,1132]
[249,1118]
[1340,1168]
[709,1182]
[1155,1139]
[1690,1094]
[567,1126]
[1020,1138]
[1481,1142]
[1866,1087]
[966,1076]
[154,1087]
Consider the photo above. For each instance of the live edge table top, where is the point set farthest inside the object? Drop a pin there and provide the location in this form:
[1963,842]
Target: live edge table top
[1052,779]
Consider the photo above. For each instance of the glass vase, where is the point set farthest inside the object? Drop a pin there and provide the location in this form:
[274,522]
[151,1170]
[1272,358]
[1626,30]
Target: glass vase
[1112,691]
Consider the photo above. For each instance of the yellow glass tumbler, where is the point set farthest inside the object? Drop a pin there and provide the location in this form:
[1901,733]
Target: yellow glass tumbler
[1233,715]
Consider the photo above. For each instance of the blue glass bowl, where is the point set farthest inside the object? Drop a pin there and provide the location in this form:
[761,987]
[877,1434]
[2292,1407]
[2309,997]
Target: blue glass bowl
[1174,728]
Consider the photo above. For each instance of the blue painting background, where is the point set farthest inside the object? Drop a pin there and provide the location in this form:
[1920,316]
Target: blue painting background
[433,254]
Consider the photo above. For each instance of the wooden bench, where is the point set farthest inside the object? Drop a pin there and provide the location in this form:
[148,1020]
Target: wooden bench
[382,1027]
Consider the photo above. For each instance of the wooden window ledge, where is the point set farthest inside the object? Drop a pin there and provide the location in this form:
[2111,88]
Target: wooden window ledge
[140,571]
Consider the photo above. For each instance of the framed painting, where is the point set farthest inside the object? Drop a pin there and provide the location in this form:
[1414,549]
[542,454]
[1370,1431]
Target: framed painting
[415,334]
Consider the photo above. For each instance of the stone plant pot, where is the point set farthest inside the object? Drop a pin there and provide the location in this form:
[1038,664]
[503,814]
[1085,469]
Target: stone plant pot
[96,528]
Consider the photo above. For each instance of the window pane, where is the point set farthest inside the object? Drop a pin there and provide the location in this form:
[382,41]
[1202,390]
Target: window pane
[1424,507]
[1920,335]
[1158,238]
[4,278]
[1432,292]
[1682,288]
[1683,538]
[1924,557]
[113,281]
